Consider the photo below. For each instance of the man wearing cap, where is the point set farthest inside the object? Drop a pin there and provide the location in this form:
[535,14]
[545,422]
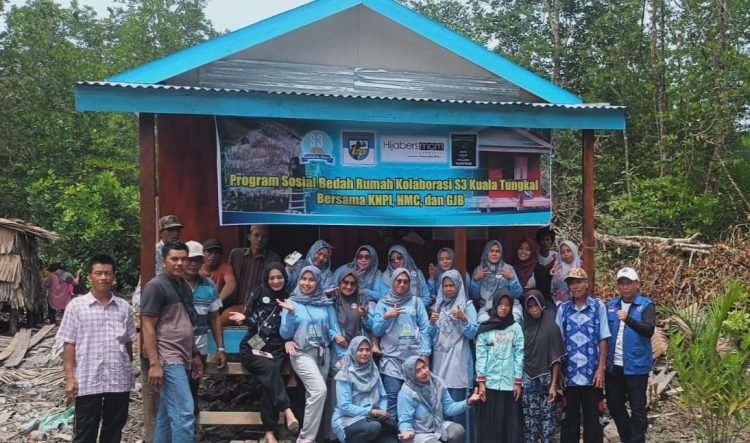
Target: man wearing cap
[207,304]
[169,231]
[583,321]
[219,272]
[247,264]
[632,319]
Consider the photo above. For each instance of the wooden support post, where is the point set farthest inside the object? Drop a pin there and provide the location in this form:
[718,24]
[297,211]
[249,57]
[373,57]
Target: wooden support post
[588,205]
[459,247]
[147,140]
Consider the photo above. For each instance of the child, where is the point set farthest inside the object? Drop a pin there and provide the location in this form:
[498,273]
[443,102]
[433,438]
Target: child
[499,373]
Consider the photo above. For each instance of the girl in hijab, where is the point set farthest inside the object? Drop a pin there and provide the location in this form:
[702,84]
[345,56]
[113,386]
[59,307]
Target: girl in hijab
[499,373]
[454,325]
[543,350]
[360,396]
[309,322]
[531,274]
[398,257]
[319,255]
[492,277]
[567,258]
[402,324]
[446,260]
[365,268]
[423,402]
[262,349]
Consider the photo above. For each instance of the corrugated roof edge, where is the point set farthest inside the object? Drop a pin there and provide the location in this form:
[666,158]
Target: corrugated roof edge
[372,97]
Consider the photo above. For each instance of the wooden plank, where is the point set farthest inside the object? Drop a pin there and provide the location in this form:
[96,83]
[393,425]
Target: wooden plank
[245,418]
[23,345]
[11,347]
[39,336]
[231,368]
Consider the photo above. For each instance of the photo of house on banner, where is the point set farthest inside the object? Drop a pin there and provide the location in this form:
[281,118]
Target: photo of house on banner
[520,161]
[310,171]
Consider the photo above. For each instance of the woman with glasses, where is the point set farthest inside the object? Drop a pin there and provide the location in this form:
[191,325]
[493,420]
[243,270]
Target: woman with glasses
[402,324]
[399,257]
[365,268]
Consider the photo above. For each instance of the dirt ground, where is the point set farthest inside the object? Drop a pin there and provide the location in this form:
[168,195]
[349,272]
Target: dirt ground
[34,390]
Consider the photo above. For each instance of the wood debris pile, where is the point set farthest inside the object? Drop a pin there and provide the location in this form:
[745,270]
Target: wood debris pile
[33,406]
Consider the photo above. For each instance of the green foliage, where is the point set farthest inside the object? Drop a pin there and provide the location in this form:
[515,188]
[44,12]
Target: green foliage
[96,213]
[77,173]
[716,389]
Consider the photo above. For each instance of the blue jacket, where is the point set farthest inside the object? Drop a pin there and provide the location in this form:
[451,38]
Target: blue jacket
[637,356]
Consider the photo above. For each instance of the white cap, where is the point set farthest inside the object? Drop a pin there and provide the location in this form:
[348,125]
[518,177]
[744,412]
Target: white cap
[195,249]
[628,273]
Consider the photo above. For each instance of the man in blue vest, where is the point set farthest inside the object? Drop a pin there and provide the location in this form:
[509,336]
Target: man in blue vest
[631,318]
[583,321]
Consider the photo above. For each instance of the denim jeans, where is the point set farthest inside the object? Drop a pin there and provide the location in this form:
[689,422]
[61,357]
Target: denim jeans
[392,385]
[175,422]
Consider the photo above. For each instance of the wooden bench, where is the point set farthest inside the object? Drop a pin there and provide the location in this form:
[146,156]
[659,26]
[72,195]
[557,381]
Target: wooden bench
[232,338]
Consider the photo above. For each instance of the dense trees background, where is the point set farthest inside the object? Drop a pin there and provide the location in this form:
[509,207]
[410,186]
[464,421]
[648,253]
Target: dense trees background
[681,66]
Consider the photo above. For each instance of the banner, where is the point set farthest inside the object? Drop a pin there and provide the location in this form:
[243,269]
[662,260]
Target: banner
[321,172]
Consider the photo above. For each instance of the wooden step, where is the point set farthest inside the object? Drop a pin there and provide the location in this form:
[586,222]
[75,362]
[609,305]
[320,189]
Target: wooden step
[245,418]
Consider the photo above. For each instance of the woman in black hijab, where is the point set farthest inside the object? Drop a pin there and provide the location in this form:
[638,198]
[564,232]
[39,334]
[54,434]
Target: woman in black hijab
[262,349]
[499,373]
[543,350]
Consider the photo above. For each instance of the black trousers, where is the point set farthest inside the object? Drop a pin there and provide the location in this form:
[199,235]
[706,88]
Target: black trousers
[630,388]
[267,371]
[589,401]
[111,409]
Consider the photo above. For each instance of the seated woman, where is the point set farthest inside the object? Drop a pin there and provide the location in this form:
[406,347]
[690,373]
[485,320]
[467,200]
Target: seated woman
[423,401]
[360,396]
[567,259]
[446,260]
[454,326]
[402,324]
[365,268]
[309,323]
[493,276]
[319,255]
[543,349]
[399,257]
[531,274]
[262,349]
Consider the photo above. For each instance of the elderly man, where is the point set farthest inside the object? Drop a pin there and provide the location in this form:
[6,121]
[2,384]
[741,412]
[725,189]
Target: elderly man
[632,319]
[248,264]
[207,304]
[167,314]
[97,332]
[170,228]
[219,272]
[583,322]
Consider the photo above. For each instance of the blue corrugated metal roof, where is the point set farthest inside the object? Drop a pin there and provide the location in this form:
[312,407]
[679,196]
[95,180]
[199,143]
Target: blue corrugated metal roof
[226,45]
[117,85]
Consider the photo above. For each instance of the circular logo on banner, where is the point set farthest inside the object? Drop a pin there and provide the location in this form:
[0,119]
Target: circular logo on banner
[317,146]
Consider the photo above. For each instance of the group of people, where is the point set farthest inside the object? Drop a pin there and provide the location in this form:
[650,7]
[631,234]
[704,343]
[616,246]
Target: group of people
[391,355]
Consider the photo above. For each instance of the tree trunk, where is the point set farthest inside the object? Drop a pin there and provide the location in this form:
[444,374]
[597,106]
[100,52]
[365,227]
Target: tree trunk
[657,66]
